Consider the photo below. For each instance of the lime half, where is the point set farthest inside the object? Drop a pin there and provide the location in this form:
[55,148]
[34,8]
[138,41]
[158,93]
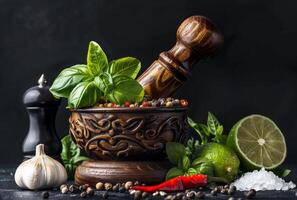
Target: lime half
[258,142]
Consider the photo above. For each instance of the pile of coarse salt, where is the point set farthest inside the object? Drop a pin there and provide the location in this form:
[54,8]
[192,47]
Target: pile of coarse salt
[262,180]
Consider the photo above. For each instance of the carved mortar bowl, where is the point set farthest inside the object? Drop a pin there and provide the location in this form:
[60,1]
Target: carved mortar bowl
[127,133]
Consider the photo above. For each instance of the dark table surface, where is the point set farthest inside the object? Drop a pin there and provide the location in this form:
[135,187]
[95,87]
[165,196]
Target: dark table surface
[9,190]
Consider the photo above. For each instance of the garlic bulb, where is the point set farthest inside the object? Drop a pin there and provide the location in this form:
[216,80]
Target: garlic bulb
[40,172]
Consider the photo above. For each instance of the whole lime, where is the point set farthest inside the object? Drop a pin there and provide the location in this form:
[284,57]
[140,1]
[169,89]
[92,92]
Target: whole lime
[224,159]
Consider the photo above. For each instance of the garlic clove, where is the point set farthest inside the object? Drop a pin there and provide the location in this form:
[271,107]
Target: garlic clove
[40,172]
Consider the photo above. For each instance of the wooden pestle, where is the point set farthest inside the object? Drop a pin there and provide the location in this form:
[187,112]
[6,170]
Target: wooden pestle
[197,38]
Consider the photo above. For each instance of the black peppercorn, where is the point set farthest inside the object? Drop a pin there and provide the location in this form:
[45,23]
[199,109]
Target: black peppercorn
[137,195]
[231,191]
[90,191]
[83,194]
[251,194]
[200,195]
[226,186]
[144,194]
[45,194]
[179,196]
[73,188]
[105,195]
[214,192]
[122,189]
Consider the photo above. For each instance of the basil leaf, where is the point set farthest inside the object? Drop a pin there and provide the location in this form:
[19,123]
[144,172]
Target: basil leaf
[198,161]
[96,59]
[84,94]
[104,82]
[66,153]
[68,79]
[212,123]
[191,171]
[175,151]
[125,89]
[186,163]
[281,172]
[174,172]
[127,66]
[78,159]
[69,149]
[206,168]
[70,155]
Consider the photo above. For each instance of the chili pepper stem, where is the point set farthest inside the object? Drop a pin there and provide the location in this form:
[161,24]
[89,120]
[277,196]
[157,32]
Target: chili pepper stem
[217,179]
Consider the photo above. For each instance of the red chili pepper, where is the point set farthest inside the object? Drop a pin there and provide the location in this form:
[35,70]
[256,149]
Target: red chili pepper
[180,183]
[176,184]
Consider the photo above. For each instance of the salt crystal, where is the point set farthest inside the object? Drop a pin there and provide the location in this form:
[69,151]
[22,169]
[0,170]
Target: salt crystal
[262,180]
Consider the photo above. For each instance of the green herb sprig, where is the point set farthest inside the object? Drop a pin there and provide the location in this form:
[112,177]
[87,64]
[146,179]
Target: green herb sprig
[186,159]
[71,155]
[183,163]
[85,85]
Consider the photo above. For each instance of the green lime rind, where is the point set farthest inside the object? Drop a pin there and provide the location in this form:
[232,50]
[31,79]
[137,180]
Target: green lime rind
[224,159]
[246,163]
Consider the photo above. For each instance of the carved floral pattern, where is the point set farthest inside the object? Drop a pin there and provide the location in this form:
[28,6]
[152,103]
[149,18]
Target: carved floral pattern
[118,136]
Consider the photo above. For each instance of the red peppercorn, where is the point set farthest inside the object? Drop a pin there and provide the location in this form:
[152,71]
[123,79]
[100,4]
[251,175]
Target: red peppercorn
[127,104]
[184,103]
[145,104]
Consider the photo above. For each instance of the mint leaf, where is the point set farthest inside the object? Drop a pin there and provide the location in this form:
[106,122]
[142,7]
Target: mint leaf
[84,94]
[175,151]
[196,127]
[96,59]
[125,89]
[127,66]
[204,129]
[68,79]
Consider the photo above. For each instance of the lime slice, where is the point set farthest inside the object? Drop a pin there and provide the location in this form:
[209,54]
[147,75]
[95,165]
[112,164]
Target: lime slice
[258,142]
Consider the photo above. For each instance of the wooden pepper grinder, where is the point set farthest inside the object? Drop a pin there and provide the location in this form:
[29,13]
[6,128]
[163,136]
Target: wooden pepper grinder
[197,38]
[42,108]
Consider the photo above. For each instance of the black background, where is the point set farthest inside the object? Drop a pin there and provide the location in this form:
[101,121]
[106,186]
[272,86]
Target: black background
[255,72]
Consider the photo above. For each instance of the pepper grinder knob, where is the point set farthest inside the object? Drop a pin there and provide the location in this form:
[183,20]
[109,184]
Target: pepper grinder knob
[42,107]
[197,38]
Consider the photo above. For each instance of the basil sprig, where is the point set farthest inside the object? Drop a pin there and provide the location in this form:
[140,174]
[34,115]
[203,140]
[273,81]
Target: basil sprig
[212,131]
[183,162]
[70,155]
[186,159]
[84,85]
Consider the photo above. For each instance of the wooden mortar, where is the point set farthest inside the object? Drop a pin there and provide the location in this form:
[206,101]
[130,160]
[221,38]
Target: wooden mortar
[128,143]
